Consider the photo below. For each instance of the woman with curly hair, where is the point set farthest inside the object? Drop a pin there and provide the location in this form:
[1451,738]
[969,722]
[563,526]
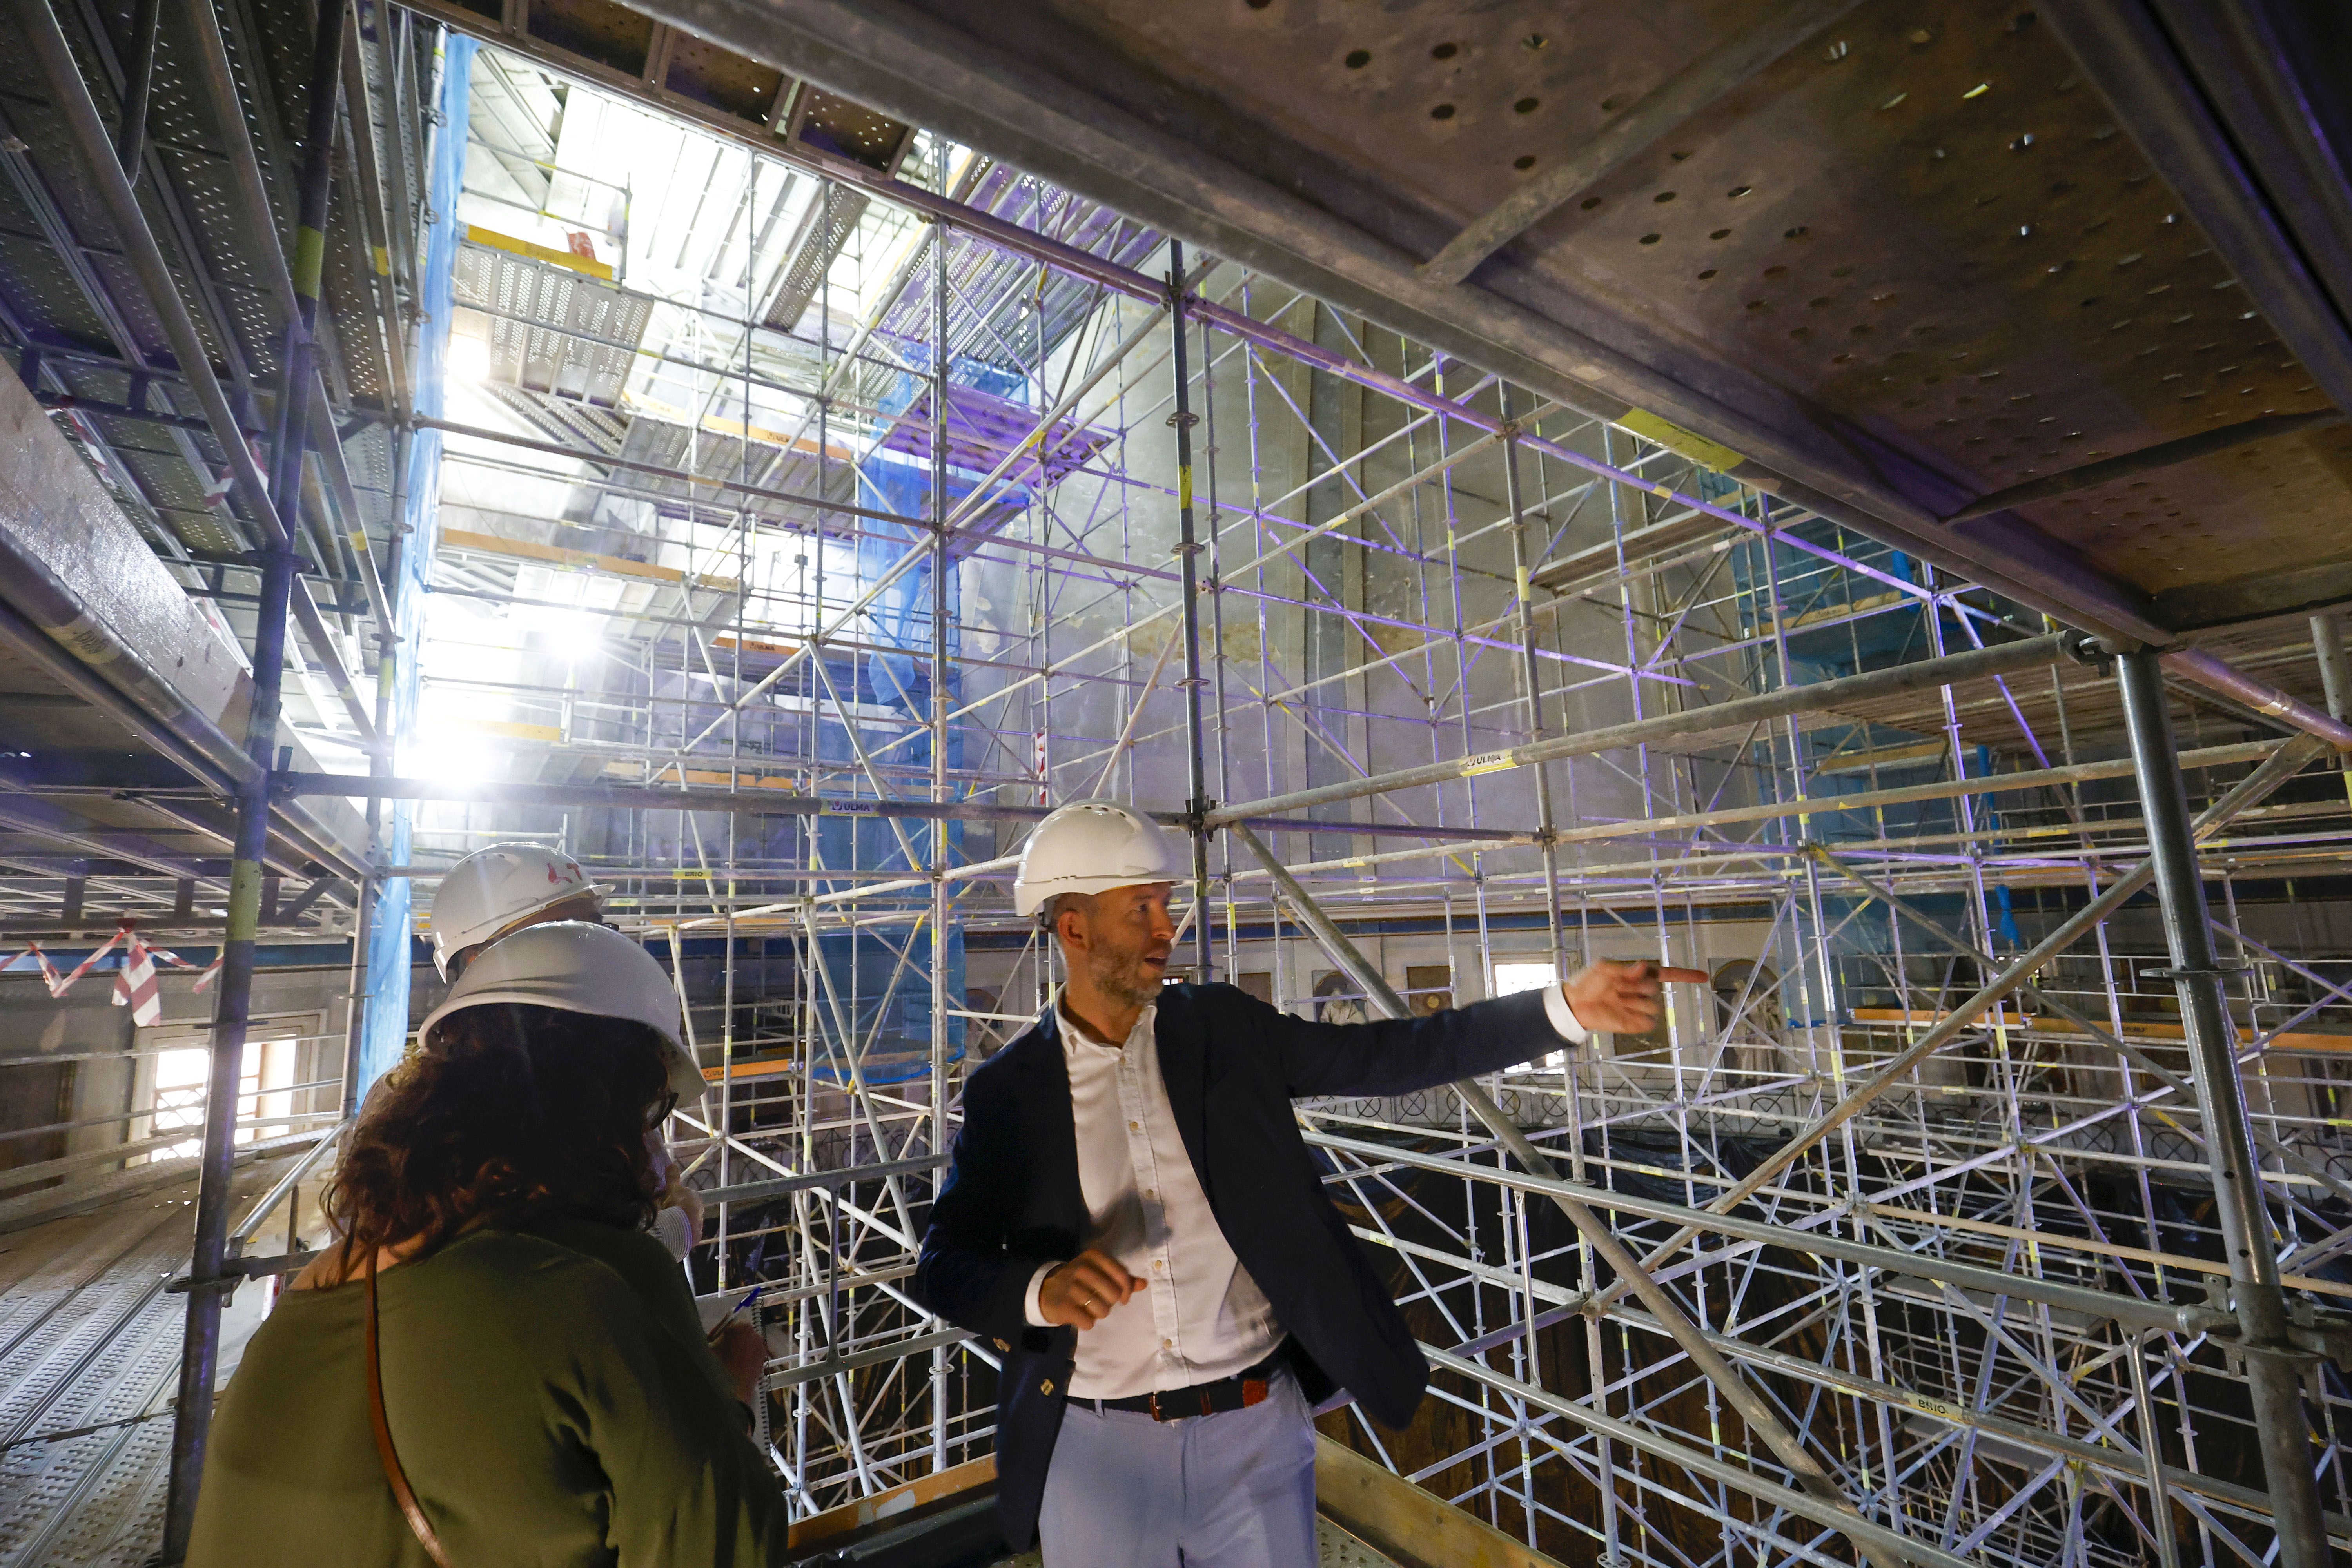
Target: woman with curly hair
[496,1364]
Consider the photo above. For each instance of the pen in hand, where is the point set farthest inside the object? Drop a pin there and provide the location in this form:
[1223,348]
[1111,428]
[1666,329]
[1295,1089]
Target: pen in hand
[721,1327]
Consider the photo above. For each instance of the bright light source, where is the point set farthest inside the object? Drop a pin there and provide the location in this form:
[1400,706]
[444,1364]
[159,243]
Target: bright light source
[1510,979]
[448,753]
[553,616]
[470,358]
[179,1100]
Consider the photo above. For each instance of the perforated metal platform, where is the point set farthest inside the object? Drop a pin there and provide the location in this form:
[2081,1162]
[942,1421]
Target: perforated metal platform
[90,1350]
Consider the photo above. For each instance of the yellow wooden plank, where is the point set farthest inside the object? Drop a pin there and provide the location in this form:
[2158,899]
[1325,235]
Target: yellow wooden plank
[754,645]
[476,235]
[546,733]
[742,1071]
[635,773]
[898,1500]
[678,415]
[1415,1526]
[2084,1244]
[2144,1028]
[1674,438]
[583,560]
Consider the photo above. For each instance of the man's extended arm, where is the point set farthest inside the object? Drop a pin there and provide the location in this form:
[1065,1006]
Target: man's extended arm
[1398,1056]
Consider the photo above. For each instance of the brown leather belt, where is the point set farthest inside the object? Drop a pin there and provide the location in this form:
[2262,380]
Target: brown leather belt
[1249,1386]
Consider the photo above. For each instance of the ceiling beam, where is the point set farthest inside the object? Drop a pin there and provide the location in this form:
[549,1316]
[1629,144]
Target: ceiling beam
[2156,96]
[1679,98]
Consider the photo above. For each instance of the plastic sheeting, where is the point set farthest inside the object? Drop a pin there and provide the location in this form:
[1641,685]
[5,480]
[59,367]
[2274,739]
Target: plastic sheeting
[385,1032]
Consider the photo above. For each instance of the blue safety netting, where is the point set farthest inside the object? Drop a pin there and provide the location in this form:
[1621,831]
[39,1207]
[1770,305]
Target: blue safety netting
[384,1033]
[882,986]
[878,981]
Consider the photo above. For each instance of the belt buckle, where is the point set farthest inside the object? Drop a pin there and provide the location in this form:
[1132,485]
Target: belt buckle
[1199,1397]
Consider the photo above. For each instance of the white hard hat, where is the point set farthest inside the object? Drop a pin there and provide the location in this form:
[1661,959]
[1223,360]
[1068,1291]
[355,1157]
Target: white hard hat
[493,889]
[1092,846]
[578,968]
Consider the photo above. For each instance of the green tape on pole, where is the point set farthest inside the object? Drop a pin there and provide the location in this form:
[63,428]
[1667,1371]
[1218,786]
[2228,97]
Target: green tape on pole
[244,900]
[309,259]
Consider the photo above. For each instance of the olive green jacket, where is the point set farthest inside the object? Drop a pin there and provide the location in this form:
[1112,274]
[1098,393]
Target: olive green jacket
[551,1399]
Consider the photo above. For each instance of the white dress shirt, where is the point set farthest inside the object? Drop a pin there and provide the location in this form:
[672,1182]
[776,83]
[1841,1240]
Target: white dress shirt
[1200,1316]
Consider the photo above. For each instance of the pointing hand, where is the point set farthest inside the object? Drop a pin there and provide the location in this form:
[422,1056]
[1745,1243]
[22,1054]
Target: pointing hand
[1618,998]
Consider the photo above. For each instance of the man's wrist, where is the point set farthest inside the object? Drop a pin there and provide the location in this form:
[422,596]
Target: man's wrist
[1562,1017]
[1031,1312]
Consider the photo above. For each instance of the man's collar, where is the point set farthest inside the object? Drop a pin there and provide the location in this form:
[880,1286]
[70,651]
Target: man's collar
[1078,1030]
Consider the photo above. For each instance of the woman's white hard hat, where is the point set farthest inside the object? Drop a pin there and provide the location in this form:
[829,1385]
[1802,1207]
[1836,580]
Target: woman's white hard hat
[493,889]
[578,967]
[1092,846]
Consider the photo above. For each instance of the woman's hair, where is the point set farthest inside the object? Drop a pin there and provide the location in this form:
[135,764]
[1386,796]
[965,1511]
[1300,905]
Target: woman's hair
[512,1113]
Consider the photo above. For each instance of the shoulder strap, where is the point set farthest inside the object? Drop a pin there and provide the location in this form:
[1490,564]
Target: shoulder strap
[401,1491]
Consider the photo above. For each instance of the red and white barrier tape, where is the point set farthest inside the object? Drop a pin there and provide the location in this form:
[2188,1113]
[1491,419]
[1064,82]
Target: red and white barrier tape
[135,986]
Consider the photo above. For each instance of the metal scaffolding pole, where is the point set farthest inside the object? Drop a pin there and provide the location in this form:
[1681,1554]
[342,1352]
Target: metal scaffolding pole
[1530,674]
[200,1350]
[2275,1366]
[1197,803]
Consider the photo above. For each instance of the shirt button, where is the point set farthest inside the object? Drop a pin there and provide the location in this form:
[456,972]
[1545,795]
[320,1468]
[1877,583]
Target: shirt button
[1159,1265]
[1135,1127]
[1168,1345]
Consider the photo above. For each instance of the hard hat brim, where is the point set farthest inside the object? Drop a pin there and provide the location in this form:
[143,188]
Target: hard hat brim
[685,1079]
[1029,898]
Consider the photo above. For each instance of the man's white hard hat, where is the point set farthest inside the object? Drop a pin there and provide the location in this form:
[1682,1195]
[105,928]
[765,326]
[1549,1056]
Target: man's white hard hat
[1092,846]
[577,967]
[494,890]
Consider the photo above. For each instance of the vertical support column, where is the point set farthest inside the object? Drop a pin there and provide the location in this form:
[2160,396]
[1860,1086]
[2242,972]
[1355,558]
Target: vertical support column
[939,780]
[2274,1368]
[1197,803]
[200,1348]
[2335,679]
[364,981]
[1530,687]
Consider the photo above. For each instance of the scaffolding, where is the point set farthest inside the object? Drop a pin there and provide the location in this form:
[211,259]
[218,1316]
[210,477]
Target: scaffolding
[787,580]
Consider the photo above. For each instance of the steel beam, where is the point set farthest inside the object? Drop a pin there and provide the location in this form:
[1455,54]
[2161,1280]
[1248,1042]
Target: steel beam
[2164,455]
[1680,98]
[2140,65]
[2197,665]
[2275,1367]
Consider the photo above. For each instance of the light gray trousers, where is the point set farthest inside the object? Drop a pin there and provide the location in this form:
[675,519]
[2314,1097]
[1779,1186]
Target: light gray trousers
[1230,1490]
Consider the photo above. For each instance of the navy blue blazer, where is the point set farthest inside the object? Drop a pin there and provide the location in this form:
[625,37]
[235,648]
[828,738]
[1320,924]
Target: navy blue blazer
[1233,1065]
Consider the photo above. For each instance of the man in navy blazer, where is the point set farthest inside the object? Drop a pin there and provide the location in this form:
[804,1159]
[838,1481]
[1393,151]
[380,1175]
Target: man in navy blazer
[1132,1209]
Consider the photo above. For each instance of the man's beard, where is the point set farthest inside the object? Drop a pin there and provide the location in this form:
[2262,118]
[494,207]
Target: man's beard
[1120,976]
